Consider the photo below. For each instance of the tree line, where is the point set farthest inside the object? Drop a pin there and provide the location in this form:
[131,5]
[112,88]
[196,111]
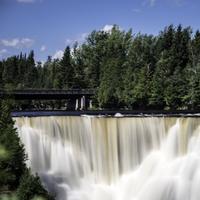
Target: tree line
[128,71]
[16,180]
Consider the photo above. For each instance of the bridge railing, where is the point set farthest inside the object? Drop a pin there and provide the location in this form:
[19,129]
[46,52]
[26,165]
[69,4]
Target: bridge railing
[48,91]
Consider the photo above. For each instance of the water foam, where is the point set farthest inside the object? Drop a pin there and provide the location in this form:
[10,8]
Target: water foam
[81,158]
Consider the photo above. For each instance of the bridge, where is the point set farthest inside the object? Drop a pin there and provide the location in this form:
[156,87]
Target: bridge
[77,98]
[47,94]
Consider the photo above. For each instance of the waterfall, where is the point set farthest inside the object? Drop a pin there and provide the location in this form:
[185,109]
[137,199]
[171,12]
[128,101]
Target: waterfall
[110,158]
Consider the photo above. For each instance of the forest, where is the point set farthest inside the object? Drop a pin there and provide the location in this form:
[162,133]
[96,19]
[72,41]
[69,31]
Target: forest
[17,182]
[127,70]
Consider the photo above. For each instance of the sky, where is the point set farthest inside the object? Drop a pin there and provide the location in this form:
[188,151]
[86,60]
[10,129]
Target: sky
[48,26]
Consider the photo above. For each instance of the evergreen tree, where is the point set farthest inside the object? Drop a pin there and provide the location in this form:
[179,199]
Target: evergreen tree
[46,76]
[78,66]
[21,78]
[195,49]
[10,72]
[112,69]
[31,71]
[156,99]
[140,67]
[14,175]
[30,187]
[13,166]
[66,70]
[127,71]
[191,99]
[93,52]
[1,74]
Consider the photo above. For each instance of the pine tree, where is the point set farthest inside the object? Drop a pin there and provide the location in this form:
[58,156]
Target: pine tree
[1,74]
[10,72]
[21,78]
[78,66]
[31,188]
[93,52]
[66,70]
[31,71]
[112,69]
[13,166]
[14,175]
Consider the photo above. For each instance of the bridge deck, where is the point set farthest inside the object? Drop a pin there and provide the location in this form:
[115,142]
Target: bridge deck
[47,94]
[108,113]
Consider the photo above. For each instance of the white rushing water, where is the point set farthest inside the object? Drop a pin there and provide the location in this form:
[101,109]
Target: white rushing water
[93,158]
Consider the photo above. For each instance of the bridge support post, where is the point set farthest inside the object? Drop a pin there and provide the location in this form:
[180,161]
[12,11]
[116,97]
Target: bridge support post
[71,99]
[90,104]
[83,103]
[77,104]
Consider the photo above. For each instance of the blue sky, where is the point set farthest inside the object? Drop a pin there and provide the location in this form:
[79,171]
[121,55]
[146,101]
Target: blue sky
[47,26]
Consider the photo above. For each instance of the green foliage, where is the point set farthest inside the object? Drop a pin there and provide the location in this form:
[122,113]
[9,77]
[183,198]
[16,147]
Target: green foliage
[192,97]
[8,197]
[1,74]
[3,153]
[93,52]
[31,188]
[112,68]
[127,70]
[66,70]
[12,166]
[13,172]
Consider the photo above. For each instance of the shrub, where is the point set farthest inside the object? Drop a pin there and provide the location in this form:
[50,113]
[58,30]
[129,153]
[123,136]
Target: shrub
[31,188]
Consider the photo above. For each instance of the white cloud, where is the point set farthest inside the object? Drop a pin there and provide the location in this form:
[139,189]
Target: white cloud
[107,28]
[180,2]
[3,51]
[29,1]
[80,39]
[149,3]
[136,10]
[43,48]
[17,43]
[25,1]
[10,43]
[152,2]
[58,54]
[27,42]
[68,41]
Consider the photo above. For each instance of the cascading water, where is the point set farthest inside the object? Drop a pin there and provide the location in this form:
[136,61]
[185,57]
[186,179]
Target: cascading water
[93,158]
